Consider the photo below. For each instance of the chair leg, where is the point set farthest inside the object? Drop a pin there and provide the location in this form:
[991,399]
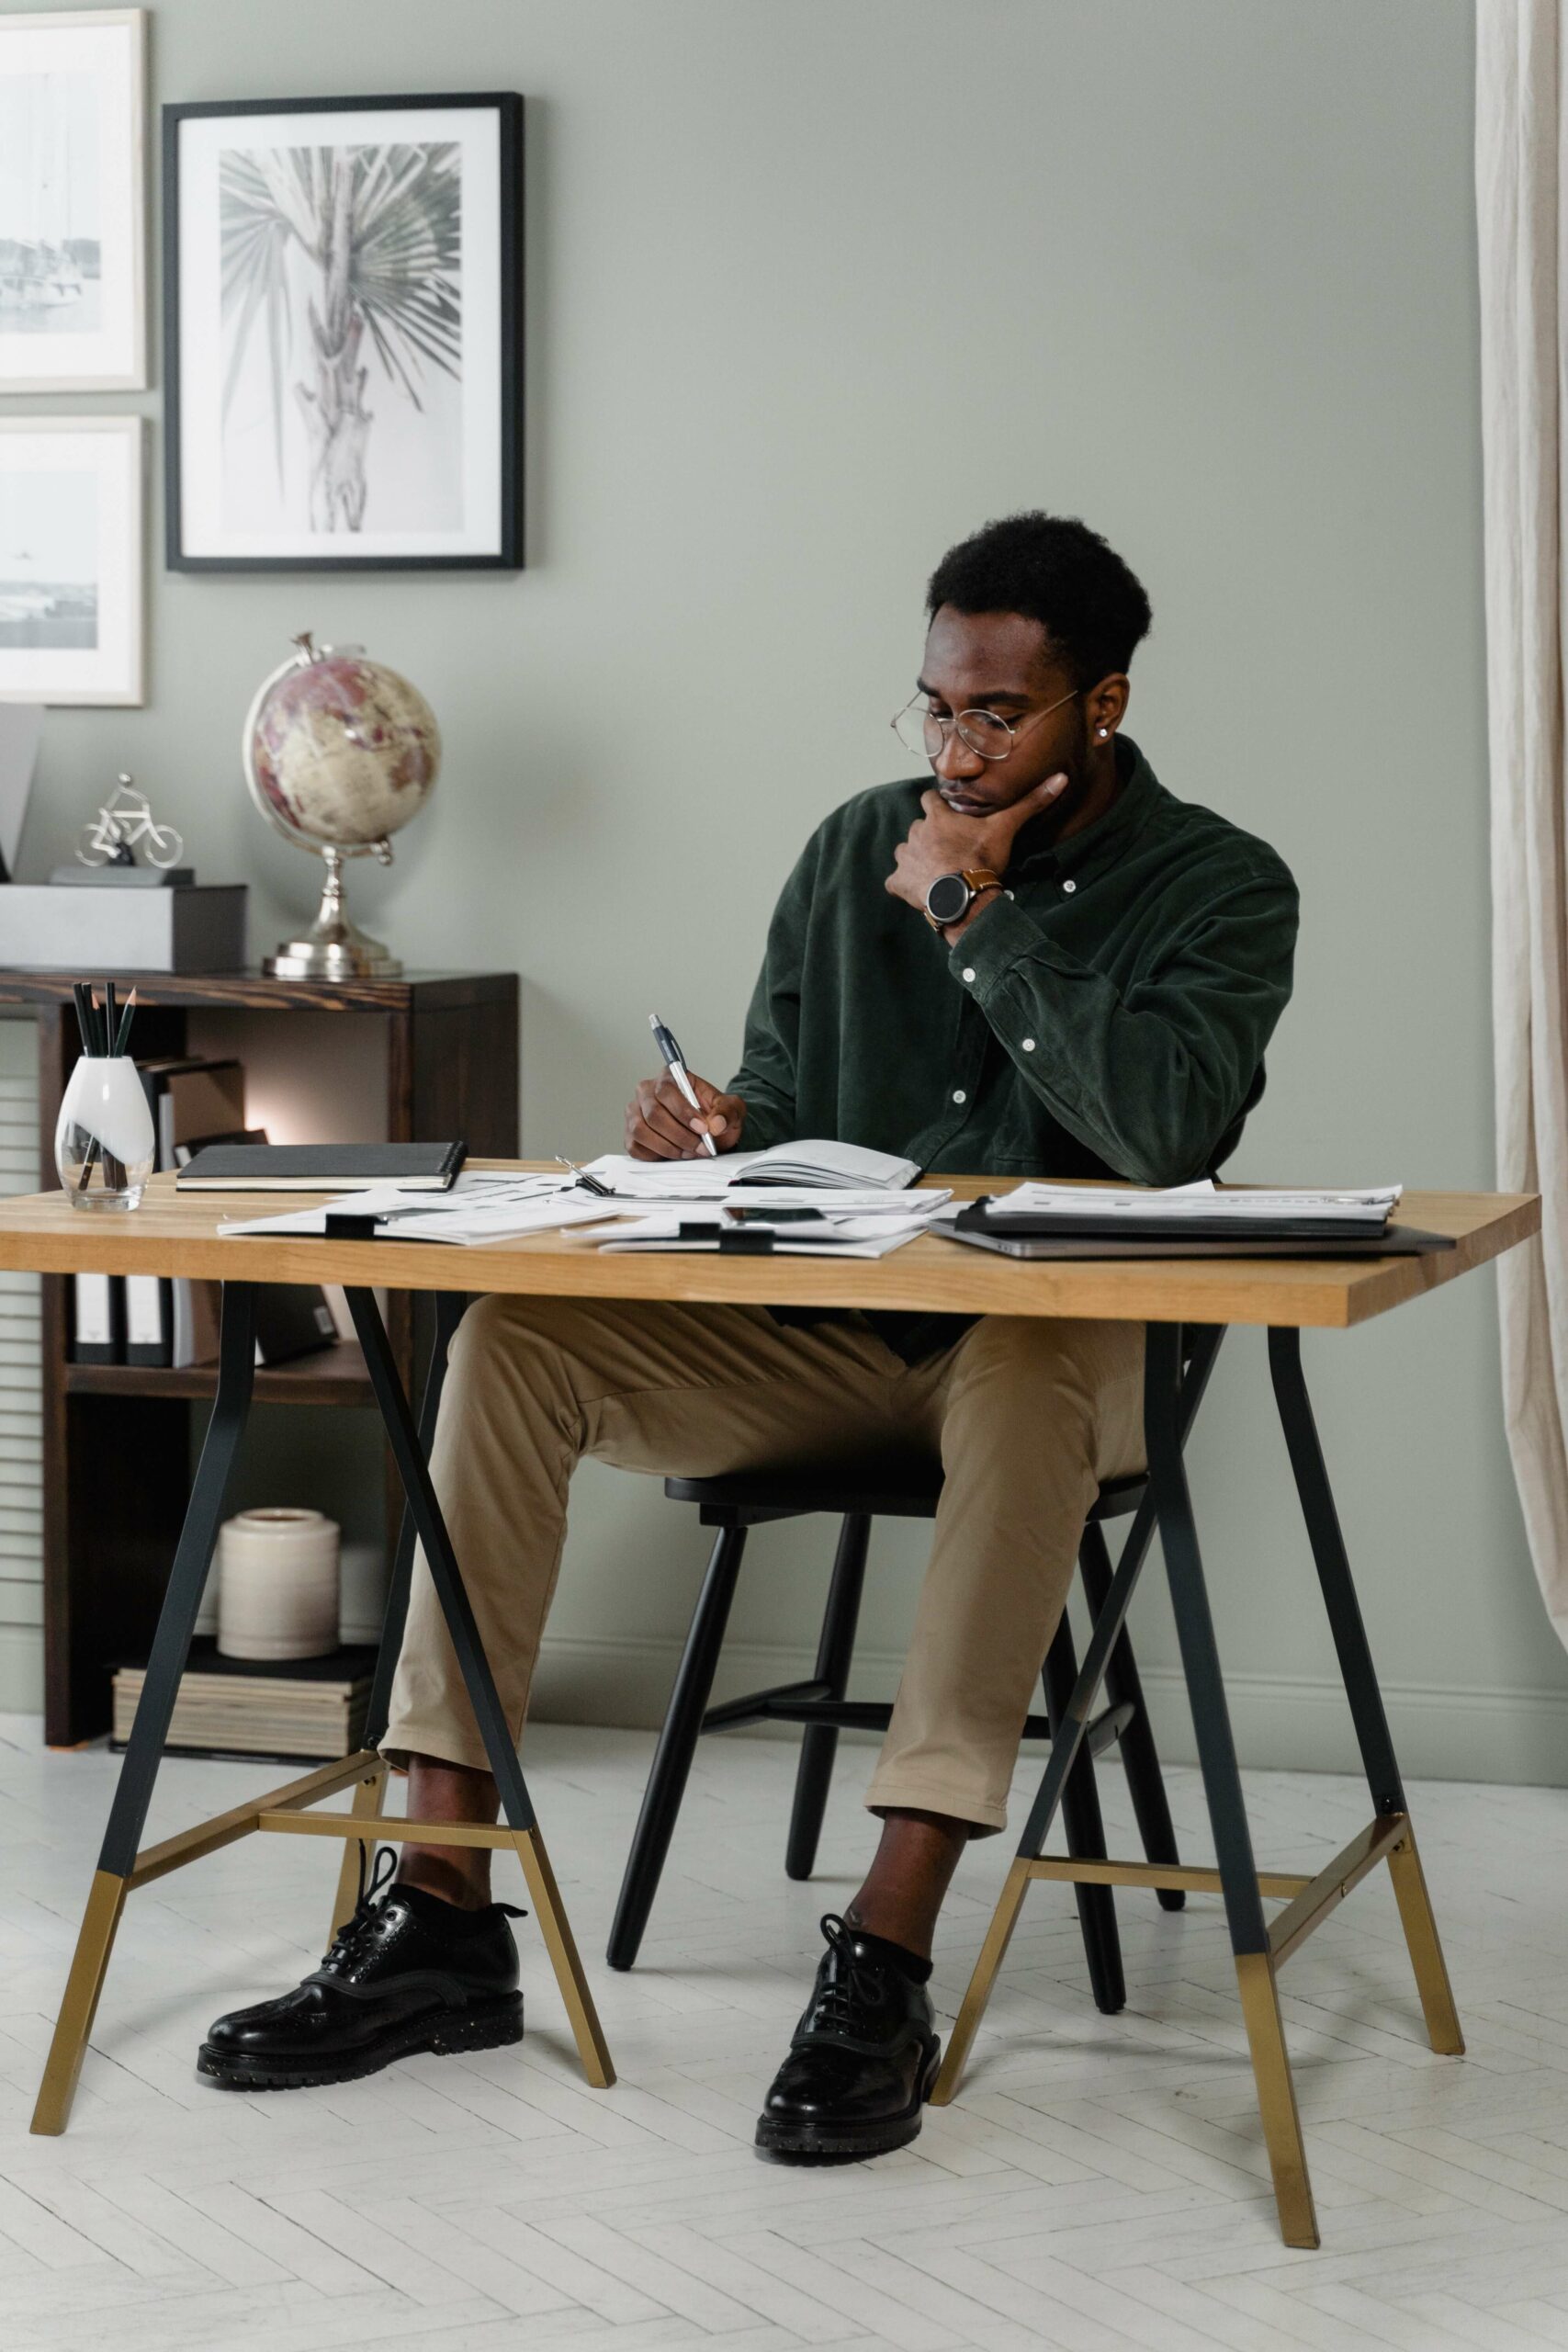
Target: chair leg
[677,1744]
[1145,1784]
[1086,1834]
[835,1650]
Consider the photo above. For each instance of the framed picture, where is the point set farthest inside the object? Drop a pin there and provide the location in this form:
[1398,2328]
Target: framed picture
[72,224]
[344,377]
[71,558]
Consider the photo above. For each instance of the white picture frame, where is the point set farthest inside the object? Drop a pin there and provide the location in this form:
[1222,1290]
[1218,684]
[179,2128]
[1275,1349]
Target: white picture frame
[71,593]
[72,202]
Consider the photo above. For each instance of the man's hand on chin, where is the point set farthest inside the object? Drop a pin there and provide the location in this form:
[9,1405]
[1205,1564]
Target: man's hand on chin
[943,842]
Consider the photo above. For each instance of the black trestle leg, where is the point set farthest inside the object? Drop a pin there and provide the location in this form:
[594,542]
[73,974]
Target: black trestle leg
[1085,1833]
[187,1581]
[403,1435]
[489,1715]
[1333,1564]
[1146,1785]
[677,1744]
[834,1652]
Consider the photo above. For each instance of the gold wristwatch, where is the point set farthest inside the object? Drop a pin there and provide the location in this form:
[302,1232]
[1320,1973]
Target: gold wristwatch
[951,896]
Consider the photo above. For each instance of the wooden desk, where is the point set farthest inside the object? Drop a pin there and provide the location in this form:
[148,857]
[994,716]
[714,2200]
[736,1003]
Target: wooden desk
[1185,1308]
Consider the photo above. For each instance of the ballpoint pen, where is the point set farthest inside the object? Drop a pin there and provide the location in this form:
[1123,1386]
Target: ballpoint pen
[673,1055]
[586,1184]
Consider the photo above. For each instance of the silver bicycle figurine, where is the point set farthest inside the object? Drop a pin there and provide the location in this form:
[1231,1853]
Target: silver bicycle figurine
[124,821]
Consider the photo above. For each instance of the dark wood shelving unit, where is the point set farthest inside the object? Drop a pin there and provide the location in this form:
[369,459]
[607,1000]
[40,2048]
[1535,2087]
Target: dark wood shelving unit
[334,1376]
[117,1437]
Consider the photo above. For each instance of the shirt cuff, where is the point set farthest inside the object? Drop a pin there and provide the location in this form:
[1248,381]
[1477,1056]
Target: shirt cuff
[992,946]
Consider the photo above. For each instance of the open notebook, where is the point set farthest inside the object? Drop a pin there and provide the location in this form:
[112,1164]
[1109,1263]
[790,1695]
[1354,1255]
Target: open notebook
[815,1164]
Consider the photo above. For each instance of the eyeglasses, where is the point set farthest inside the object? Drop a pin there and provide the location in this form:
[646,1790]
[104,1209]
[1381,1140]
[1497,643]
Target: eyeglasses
[919,729]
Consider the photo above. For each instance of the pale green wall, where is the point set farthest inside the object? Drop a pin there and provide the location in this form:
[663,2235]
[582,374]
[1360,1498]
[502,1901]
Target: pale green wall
[814,286]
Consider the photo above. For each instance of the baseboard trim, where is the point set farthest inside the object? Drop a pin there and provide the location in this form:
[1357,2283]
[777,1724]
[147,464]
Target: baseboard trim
[1281,1723]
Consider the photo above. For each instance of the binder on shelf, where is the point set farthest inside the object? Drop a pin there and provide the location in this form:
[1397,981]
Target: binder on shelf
[292,1318]
[148,1320]
[193,1096]
[96,1323]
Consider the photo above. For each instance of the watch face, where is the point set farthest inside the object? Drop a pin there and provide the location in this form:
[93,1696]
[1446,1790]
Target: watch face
[948,897]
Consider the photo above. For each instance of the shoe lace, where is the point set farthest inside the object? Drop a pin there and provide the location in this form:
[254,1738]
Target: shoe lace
[346,1943]
[853,1981]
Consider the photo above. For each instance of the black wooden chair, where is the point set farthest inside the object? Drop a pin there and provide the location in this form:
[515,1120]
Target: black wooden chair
[856,1494]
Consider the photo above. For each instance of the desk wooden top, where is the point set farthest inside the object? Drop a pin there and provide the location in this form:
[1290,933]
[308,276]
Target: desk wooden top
[173,1233]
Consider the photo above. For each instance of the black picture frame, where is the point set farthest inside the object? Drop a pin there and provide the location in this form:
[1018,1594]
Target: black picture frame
[508,555]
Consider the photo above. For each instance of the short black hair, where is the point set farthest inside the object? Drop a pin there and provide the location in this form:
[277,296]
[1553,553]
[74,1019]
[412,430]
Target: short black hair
[1055,570]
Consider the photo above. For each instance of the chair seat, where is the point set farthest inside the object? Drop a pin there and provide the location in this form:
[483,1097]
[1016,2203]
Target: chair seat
[894,1490]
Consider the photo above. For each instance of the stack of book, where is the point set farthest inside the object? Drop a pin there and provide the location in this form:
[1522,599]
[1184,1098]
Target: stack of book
[308,1709]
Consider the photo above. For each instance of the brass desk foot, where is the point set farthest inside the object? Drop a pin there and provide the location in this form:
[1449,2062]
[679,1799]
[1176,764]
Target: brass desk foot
[79,2006]
[283,1810]
[1308,1902]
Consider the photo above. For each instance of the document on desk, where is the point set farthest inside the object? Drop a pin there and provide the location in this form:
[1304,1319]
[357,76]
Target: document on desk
[805,1168]
[1184,1204]
[480,1208]
[832,1236]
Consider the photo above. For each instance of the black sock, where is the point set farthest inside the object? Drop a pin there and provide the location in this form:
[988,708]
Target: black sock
[909,1964]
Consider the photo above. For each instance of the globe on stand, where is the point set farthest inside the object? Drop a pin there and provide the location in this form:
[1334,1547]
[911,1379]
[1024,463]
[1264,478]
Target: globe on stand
[340,753]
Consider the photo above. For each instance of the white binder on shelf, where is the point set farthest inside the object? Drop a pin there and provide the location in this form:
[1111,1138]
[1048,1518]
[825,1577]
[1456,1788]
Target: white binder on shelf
[94,1338]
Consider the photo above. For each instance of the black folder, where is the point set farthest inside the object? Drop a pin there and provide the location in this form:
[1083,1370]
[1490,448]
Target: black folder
[321,1166]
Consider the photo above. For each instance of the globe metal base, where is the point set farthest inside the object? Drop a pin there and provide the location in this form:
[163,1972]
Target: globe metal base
[335,948]
[314,959]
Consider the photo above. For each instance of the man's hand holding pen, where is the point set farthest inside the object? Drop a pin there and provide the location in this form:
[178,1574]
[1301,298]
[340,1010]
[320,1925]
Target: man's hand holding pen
[661,1123]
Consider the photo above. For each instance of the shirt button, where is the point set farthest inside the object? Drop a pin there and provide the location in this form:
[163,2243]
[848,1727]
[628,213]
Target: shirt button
[959,1095]
[968,972]
[1069,886]
[1028,1045]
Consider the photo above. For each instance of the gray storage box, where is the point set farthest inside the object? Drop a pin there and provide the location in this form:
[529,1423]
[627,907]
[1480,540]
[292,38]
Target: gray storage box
[196,928]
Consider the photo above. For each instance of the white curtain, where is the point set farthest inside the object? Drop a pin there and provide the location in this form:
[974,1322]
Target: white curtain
[1522,185]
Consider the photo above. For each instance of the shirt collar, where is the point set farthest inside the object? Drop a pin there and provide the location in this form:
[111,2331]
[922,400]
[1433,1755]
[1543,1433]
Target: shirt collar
[1101,844]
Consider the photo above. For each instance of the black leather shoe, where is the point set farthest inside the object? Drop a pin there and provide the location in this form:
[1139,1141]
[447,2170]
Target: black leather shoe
[863,2062]
[406,1974]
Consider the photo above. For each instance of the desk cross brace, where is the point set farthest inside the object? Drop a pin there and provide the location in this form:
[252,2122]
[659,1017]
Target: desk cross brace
[124,1864]
[1261,1949]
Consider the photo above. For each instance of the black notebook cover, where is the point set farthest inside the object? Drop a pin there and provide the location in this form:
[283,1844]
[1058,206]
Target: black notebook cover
[321,1166]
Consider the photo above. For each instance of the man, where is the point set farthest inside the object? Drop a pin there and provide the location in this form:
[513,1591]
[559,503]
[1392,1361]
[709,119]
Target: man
[1039,964]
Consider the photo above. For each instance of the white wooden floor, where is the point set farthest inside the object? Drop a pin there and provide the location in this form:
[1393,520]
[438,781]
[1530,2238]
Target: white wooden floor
[1100,2183]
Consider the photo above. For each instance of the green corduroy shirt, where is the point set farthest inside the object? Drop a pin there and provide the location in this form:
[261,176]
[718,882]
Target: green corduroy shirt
[1107,1018]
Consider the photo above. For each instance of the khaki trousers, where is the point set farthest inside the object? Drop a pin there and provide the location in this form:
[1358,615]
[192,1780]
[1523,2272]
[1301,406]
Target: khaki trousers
[1027,1415]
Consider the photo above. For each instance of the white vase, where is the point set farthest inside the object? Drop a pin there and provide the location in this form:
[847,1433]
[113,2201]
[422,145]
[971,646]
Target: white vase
[277,1585]
[103,1137]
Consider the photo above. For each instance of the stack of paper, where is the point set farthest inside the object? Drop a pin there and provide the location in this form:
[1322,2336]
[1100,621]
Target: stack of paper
[829,1236]
[1185,1204]
[484,1206]
[480,1208]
